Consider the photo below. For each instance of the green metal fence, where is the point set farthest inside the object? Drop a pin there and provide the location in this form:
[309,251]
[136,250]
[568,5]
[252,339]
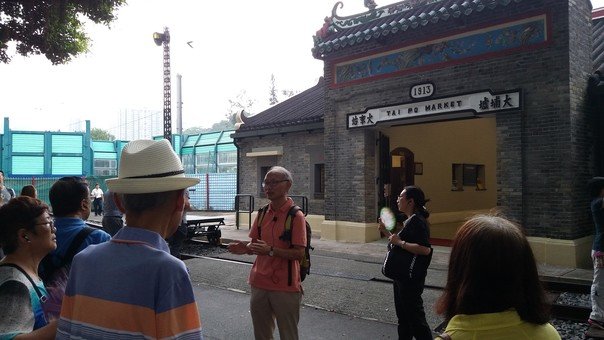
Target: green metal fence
[43,184]
[215,191]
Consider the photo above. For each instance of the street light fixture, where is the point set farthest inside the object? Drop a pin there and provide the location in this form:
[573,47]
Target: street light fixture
[164,39]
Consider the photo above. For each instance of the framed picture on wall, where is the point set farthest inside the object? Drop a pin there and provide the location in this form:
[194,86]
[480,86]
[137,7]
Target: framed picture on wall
[419,168]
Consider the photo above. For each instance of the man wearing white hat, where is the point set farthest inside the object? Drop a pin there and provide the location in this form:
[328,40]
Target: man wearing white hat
[132,286]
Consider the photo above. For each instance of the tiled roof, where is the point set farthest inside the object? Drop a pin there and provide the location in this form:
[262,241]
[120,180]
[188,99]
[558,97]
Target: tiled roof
[305,107]
[597,53]
[339,32]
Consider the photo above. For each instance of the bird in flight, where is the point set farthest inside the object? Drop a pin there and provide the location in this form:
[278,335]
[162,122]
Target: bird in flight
[189,43]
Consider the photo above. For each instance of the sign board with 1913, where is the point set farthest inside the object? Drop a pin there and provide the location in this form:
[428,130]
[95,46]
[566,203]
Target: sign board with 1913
[421,90]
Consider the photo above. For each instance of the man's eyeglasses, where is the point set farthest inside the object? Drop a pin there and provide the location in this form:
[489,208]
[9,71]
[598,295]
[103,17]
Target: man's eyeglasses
[273,183]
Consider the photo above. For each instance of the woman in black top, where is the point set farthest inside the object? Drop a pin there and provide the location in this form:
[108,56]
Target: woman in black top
[413,238]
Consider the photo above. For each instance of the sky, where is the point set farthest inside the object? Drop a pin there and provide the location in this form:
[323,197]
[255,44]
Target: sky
[236,46]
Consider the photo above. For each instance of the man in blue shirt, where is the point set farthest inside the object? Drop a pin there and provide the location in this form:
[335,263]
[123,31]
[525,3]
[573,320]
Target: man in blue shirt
[70,201]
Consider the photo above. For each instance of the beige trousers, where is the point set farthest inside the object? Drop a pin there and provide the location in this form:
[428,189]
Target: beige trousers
[266,306]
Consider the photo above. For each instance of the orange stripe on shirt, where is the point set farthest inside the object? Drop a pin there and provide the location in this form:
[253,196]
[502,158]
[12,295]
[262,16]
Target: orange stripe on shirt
[178,320]
[109,315]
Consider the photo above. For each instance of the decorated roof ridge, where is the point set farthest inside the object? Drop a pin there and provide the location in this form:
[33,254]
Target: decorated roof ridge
[374,13]
[306,107]
[339,32]
[597,13]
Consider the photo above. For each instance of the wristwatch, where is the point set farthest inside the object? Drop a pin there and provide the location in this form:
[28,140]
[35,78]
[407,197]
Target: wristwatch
[271,252]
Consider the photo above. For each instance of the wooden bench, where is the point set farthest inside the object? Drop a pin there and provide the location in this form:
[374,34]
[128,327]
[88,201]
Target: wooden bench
[205,226]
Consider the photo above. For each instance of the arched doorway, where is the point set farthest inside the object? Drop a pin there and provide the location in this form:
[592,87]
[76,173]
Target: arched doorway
[401,173]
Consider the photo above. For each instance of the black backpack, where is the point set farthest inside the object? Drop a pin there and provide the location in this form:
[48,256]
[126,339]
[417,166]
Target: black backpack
[287,236]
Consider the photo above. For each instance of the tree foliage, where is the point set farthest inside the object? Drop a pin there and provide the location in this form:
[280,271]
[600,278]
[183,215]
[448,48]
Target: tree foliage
[194,130]
[222,125]
[289,93]
[219,126]
[272,95]
[51,27]
[240,103]
[100,134]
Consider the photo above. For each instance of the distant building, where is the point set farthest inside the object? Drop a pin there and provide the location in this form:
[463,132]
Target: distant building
[139,124]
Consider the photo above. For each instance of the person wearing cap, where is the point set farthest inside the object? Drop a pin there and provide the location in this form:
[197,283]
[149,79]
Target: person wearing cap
[596,192]
[132,286]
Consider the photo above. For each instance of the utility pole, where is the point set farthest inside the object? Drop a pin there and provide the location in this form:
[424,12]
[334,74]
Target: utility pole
[164,39]
[179,104]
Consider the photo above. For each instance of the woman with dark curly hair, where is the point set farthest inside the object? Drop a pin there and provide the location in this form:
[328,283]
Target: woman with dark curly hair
[27,234]
[493,289]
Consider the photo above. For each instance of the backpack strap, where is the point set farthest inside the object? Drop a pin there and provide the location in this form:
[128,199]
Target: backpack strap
[261,212]
[287,236]
[76,243]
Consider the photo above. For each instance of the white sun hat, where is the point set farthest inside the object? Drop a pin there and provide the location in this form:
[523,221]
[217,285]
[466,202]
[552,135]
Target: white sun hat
[148,166]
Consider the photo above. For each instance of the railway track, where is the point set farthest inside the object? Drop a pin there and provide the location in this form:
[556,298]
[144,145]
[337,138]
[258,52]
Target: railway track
[570,299]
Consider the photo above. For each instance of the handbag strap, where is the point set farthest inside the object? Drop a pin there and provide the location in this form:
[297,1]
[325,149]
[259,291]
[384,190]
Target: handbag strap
[41,296]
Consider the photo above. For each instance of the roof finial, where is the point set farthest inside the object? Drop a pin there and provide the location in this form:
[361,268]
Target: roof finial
[370,4]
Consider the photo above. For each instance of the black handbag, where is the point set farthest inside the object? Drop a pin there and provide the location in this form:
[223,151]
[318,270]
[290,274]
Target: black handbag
[402,265]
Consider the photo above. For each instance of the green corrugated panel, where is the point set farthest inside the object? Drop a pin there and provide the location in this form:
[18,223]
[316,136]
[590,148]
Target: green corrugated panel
[208,138]
[103,146]
[105,155]
[202,149]
[226,137]
[29,142]
[227,147]
[28,165]
[67,144]
[190,140]
[121,146]
[67,165]
[186,151]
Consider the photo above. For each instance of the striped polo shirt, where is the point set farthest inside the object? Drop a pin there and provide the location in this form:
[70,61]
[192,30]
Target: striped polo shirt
[129,288]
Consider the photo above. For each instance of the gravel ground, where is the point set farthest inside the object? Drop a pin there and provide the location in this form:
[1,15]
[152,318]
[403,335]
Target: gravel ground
[201,249]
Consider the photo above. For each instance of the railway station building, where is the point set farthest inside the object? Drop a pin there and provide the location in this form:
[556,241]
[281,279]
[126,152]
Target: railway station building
[484,104]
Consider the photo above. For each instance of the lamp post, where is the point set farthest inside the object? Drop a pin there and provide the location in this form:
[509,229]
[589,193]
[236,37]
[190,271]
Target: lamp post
[164,39]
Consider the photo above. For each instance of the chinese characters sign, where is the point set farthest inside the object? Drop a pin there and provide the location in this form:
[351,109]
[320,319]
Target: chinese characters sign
[474,103]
